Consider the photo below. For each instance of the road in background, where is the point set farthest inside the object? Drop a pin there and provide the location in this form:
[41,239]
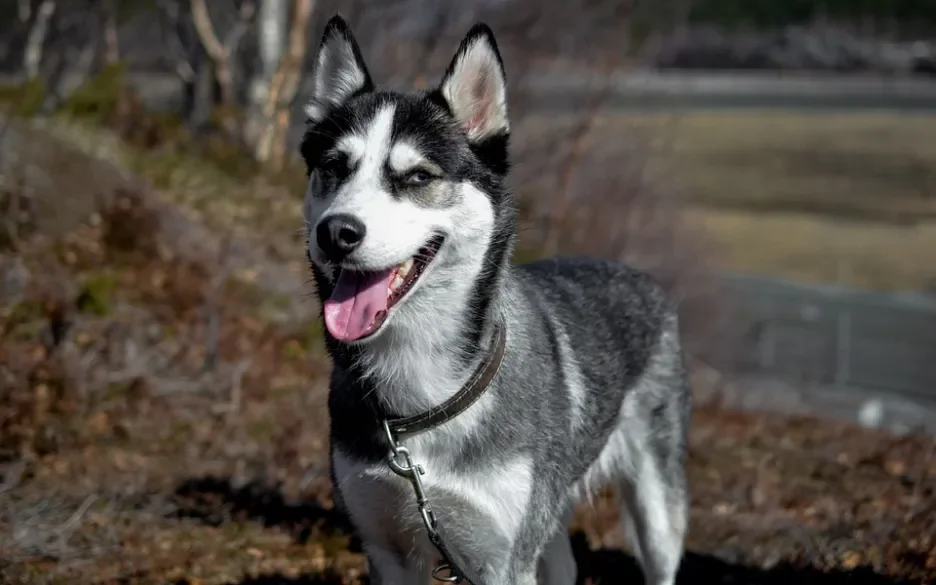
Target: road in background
[650,89]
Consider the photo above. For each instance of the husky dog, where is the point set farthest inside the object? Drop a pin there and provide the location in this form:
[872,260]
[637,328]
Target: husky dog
[411,229]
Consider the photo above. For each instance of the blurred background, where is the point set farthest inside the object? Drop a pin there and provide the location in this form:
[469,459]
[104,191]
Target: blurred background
[162,375]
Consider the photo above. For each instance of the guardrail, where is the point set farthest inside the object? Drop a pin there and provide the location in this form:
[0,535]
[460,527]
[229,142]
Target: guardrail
[832,335]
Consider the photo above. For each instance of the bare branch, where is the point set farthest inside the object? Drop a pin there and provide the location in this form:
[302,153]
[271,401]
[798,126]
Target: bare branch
[202,21]
[171,11]
[24,10]
[245,16]
[573,158]
[68,528]
[220,53]
[111,42]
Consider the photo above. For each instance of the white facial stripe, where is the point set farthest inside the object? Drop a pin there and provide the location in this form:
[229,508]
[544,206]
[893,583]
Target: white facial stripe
[404,156]
[377,144]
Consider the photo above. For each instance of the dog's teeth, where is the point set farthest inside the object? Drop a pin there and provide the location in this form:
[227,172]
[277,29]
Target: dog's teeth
[404,268]
[397,282]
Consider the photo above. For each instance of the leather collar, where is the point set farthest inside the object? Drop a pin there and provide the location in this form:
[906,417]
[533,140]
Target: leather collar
[473,389]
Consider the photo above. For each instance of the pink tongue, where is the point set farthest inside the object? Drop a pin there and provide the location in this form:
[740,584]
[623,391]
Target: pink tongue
[355,303]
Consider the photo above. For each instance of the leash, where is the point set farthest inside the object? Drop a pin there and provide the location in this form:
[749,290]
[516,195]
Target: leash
[454,568]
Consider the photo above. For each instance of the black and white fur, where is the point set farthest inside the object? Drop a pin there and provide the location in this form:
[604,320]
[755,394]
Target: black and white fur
[592,389]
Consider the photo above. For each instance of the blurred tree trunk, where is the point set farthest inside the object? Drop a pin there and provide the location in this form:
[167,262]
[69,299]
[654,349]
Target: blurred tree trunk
[38,33]
[75,43]
[271,143]
[192,65]
[201,92]
[272,27]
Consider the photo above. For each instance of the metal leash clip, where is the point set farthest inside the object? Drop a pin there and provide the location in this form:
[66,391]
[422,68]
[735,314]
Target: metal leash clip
[451,577]
[401,463]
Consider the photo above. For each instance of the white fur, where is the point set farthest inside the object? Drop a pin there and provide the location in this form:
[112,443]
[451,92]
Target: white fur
[404,157]
[658,547]
[415,355]
[501,493]
[354,146]
[572,374]
[477,91]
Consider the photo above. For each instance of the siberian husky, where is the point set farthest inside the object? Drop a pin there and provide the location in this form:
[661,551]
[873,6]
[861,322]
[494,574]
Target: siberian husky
[474,402]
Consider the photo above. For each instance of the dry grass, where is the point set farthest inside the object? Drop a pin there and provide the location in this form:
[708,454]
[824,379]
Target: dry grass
[875,166]
[848,198]
[877,256]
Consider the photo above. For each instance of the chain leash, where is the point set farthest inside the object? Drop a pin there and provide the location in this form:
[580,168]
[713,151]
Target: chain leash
[401,463]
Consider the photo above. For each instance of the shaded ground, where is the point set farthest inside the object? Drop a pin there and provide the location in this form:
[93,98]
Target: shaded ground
[162,420]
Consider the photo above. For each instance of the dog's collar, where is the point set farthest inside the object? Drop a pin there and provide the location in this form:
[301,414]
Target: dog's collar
[473,389]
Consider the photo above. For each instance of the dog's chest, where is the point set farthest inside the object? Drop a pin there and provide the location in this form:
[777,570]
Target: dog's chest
[383,506]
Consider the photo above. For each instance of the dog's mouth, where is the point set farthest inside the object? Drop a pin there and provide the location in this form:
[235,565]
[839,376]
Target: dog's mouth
[362,299]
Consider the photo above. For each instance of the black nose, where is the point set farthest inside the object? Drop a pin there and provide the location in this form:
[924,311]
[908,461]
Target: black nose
[338,235]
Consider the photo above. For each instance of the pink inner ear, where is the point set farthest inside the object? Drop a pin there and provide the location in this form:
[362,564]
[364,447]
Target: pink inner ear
[481,94]
[475,121]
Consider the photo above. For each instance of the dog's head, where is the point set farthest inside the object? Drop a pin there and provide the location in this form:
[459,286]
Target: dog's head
[406,204]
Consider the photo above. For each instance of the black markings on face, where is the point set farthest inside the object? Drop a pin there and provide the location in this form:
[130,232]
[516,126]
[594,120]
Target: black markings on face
[437,152]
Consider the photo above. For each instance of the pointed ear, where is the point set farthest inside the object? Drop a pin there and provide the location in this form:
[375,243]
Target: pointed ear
[339,70]
[475,86]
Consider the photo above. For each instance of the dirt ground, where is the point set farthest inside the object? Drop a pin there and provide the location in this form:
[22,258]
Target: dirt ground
[162,421]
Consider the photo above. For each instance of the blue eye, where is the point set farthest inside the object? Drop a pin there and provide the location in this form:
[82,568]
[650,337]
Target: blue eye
[417,178]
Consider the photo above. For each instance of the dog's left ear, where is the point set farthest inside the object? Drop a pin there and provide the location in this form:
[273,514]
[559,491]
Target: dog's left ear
[475,87]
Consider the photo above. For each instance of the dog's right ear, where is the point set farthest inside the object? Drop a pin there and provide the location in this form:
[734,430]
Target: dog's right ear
[339,70]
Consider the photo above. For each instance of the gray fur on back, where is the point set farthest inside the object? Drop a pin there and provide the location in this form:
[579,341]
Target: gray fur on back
[608,320]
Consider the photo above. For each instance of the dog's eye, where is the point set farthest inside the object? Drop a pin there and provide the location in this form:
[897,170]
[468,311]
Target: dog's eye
[417,178]
[335,165]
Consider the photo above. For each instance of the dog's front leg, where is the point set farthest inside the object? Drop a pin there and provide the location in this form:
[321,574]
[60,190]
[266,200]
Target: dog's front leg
[386,568]
[557,563]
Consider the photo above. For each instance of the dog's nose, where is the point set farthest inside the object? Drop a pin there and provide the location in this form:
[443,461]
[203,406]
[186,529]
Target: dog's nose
[338,235]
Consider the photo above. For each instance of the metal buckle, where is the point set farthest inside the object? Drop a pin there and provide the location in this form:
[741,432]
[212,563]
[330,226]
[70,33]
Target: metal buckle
[451,577]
